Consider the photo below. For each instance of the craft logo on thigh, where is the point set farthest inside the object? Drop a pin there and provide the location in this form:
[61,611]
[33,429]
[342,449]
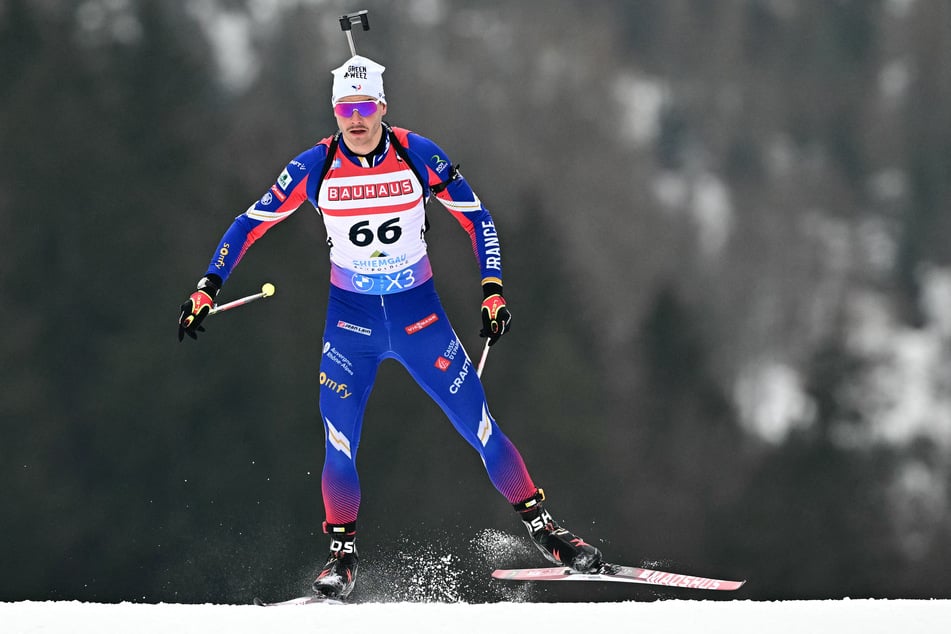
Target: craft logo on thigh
[460,378]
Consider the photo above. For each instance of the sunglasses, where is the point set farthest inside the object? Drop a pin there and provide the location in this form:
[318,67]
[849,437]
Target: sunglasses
[346,109]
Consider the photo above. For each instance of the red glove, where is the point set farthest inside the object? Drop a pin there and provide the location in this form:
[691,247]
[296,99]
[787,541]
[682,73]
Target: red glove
[496,318]
[196,308]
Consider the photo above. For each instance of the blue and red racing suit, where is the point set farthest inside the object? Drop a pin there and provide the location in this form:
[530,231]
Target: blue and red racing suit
[382,301]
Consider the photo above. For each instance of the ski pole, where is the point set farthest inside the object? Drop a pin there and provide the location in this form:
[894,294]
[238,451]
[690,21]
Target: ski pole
[485,355]
[266,291]
[346,25]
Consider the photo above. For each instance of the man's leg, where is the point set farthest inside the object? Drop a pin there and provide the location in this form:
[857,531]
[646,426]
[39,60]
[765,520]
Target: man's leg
[348,366]
[426,344]
[437,361]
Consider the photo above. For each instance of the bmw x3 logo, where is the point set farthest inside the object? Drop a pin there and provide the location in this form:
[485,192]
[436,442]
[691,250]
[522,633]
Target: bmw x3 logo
[362,283]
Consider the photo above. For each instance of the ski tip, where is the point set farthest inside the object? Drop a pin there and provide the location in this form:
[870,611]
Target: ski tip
[618,573]
[546,573]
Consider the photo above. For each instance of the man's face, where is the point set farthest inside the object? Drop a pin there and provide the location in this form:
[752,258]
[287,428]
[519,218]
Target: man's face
[361,131]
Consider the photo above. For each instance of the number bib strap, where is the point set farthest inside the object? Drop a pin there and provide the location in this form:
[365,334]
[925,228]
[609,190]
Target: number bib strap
[381,283]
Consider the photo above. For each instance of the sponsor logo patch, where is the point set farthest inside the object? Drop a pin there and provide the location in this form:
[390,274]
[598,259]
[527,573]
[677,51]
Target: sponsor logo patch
[443,363]
[360,192]
[222,254]
[440,162]
[422,323]
[340,389]
[362,283]
[284,180]
[335,355]
[452,349]
[380,263]
[360,330]
[460,378]
[355,71]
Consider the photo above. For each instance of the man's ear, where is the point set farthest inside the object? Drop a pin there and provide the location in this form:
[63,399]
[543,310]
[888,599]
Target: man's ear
[384,108]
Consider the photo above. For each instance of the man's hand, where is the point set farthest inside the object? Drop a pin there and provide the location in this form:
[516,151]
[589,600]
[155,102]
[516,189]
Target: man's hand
[496,318]
[197,307]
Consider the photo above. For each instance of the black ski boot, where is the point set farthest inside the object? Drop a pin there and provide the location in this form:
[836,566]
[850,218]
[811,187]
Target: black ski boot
[557,544]
[338,575]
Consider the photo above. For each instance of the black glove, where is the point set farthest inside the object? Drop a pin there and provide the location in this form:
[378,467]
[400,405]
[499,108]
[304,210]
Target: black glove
[197,307]
[496,318]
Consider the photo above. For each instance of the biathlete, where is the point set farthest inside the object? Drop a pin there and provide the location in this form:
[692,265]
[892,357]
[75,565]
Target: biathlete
[370,183]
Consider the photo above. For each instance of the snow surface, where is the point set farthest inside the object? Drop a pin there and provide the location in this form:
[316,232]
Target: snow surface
[433,599]
[708,617]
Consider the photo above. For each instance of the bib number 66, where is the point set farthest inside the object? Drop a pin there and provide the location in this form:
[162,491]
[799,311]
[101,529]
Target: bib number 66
[362,235]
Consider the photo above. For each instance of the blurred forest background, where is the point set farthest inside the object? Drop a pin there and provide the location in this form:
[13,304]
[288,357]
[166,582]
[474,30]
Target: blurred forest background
[725,230]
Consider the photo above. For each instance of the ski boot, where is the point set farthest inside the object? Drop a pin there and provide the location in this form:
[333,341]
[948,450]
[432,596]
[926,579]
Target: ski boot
[336,579]
[557,544]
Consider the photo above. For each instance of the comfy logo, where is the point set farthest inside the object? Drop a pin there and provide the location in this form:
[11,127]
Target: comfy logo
[340,389]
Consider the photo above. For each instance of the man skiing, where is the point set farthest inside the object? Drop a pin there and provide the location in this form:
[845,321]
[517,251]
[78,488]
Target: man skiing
[370,183]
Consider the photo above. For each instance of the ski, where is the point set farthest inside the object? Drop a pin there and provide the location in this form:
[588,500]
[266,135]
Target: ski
[621,574]
[313,598]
